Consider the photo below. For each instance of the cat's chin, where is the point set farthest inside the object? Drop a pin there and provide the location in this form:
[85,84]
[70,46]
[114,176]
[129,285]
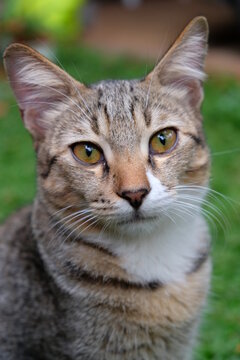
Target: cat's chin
[137,219]
[137,224]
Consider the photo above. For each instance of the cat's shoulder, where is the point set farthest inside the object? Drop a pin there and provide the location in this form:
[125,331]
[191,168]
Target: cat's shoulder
[16,224]
[21,266]
[15,235]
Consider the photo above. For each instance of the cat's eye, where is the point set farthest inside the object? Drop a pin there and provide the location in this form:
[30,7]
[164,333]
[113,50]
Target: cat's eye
[163,141]
[87,153]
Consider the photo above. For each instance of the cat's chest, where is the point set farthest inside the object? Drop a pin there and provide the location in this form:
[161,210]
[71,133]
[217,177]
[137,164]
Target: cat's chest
[117,323]
[99,332]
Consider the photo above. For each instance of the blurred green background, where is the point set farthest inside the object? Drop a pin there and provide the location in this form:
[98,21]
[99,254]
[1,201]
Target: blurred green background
[219,338]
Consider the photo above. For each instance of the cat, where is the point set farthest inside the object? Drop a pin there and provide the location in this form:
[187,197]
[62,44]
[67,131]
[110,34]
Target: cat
[112,259]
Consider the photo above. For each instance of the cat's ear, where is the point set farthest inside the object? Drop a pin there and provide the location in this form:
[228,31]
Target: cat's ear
[41,88]
[182,67]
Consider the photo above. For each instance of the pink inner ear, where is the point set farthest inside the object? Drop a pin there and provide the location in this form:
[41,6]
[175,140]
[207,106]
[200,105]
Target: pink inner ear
[195,92]
[182,66]
[193,88]
[34,123]
[34,96]
[37,86]
[32,105]
[34,100]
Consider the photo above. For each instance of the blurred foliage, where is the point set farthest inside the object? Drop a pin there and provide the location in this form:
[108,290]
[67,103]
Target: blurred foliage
[58,19]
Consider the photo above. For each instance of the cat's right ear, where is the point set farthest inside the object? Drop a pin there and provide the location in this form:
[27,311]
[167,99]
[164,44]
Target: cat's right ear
[41,88]
[182,67]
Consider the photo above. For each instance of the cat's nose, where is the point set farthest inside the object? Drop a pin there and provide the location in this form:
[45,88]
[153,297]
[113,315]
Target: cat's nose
[135,198]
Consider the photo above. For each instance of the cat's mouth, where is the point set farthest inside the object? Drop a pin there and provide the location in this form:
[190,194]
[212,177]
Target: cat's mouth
[137,218]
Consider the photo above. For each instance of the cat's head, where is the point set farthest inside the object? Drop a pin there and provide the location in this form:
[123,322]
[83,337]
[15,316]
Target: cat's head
[117,155]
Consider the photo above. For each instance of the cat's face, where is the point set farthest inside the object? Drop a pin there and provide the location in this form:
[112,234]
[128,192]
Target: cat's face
[116,155]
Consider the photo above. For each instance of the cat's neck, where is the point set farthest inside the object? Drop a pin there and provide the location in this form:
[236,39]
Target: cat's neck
[165,256]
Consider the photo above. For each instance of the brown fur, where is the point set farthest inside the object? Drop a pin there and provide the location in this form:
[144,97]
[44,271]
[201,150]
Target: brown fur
[78,273]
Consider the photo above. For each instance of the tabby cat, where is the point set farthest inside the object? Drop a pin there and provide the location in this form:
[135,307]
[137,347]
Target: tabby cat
[112,260]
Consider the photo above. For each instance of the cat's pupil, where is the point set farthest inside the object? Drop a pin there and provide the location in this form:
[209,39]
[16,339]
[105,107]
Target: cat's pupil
[162,139]
[88,150]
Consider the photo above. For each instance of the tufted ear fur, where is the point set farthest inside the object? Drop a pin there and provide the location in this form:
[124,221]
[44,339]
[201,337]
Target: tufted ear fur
[41,88]
[182,67]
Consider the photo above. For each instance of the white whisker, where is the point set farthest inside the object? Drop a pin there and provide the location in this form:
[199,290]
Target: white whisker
[64,227]
[226,152]
[151,80]
[79,226]
[62,209]
[73,215]
[207,213]
[61,93]
[205,202]
[47,103]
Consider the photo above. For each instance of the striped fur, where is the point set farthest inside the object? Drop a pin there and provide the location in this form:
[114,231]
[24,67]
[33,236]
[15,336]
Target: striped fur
[85,275]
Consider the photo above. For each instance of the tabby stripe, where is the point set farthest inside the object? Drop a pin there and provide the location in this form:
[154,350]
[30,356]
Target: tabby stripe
[199,262]
[81,274]
[94,125]
[79,240]
[197,139]
[100,105]
[106,115]
[100,94]
[133,113]
[147,117]
[49,165]
[94,246]
[201,167]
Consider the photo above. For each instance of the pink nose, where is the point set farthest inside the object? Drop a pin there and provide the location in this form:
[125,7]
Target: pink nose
[135,198]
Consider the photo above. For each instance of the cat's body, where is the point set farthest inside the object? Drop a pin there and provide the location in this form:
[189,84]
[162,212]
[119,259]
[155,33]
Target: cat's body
[105,320]
[106,265]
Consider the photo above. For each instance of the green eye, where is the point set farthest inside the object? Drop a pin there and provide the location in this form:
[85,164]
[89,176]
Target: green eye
[87,153]
[163,141]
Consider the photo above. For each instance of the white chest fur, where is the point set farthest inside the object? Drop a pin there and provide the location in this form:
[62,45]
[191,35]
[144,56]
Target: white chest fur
[166,255]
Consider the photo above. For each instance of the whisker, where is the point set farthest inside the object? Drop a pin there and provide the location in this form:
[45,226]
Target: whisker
[176,213]
[104,228]
[166,213]
[77,213]
[83,100]
[208,204]
[46,103]
[49,50]
[61,93]
[188,207]
[61,210]
[226,152]
[209,191]
[91,224]
[72,81]
[65,230]
[151,81]
[204,211]
[66,227]
[216,196]
[185,209]
[79,226]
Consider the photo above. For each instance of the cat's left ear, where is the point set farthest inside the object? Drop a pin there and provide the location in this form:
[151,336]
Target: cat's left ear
[182,67]
[41,88]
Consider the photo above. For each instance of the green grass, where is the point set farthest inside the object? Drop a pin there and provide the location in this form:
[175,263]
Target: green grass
[220,332]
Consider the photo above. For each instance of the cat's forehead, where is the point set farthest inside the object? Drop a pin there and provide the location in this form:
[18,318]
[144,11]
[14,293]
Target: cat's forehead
[117,95]
[117,103]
